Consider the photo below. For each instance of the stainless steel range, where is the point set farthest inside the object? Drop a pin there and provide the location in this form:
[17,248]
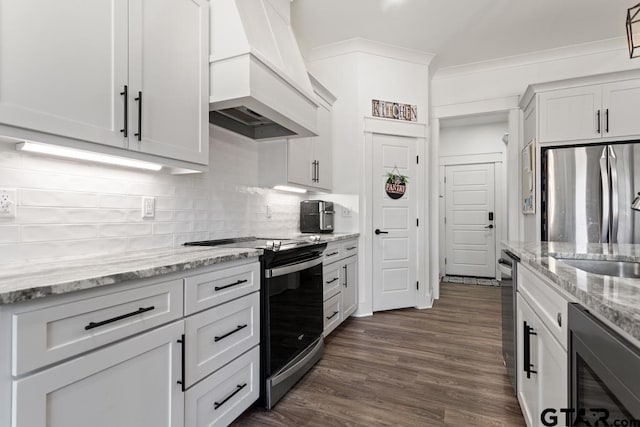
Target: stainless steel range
[291,310]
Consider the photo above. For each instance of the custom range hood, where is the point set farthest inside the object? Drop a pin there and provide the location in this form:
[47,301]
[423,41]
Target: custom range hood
[259,86]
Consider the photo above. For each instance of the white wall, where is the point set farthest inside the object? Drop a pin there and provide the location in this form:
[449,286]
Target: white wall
[71,208]
[472,139]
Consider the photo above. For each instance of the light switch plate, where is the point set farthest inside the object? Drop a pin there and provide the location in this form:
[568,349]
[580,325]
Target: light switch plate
[8,197]
[148,207]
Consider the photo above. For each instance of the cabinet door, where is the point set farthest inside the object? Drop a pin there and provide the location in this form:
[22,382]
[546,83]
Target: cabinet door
[570,114]
[132,383]
[552,372]
[621,103]
[322,149]
[168,64]
[527,387]
[63,65]
[300,161]
[349,286]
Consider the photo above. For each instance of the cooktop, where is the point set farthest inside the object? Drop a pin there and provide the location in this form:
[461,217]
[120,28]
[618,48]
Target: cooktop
[255,243]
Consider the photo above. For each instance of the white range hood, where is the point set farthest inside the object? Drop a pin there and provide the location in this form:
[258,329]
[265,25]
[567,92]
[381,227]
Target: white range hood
[258,81]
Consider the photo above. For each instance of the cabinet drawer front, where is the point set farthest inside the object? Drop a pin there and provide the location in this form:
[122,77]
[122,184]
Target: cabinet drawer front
[219,335]
[331,280]
[217,287]
[548,304]
[332,253]
[350,248]
[222,397]
[51,334]
[131,383]
[332,314]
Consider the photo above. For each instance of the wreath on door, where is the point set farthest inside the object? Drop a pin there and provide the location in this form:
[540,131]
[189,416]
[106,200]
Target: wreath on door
[396,184]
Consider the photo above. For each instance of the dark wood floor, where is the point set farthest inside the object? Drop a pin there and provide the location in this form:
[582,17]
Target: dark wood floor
[437,367]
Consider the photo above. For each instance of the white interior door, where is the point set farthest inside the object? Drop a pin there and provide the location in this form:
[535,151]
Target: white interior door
[470,229]
[395,248]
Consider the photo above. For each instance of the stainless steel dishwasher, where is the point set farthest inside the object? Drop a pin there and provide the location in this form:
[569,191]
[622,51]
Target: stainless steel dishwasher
[508,266]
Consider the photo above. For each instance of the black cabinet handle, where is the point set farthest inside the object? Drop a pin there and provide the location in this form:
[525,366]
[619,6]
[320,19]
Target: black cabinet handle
[239,387]
[528,331]
[317,170]
[139,133]
[239,328]
[333,253]
[606,120]
[181,382]
[346,276]
[125,93]
[352,248]
[332,280]
[381,232]
[598,129]
[141,310]
[239,282]
[333,315]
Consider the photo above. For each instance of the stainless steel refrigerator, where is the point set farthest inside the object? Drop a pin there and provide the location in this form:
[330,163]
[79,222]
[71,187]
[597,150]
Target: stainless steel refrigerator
[587,193]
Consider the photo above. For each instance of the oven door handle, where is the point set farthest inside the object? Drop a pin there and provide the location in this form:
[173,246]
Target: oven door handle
[292,268]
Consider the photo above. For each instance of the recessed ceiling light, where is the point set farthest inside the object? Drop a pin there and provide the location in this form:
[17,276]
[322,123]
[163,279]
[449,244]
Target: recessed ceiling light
[72,153]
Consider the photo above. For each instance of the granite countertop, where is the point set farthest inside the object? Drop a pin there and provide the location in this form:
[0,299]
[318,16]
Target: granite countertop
[615,299]
[30,281]
[327,237]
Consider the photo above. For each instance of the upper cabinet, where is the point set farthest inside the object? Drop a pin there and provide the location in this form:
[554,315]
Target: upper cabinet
[586,109]
[126,74]
[302,162]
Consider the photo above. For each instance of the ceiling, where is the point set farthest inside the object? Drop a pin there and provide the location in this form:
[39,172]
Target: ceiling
[461,31]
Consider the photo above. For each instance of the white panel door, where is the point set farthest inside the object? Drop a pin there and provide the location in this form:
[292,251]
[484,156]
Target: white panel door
[621,103]
[470,234]
[570,114]
[169,71]
[133,383]
[395,248]
[63,65]
[349,292]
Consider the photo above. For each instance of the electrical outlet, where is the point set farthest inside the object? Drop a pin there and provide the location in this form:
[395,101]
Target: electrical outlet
[269,212]
[148,207]
[346,212]
[8,199]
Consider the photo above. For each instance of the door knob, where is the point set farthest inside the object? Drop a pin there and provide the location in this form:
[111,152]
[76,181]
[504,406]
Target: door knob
[381,232]
[489,226]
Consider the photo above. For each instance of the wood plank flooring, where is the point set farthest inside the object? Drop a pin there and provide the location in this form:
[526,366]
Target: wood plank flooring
[437,367]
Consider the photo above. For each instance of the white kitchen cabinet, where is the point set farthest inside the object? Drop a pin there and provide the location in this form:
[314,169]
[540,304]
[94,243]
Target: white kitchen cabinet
[587,109]
[340,266]
[302,162]
[136,79]
[132,383]
[349,286]
[527,385]
[54,81]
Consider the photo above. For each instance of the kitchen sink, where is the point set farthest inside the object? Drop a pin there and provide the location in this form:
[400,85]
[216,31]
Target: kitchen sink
[604,267]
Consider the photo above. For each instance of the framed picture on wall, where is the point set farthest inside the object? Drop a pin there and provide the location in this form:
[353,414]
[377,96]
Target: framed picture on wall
[529,178]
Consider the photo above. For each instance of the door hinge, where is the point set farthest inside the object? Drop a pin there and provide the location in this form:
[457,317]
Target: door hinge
[417,160]
[417,285]
[445,260]
[417,222]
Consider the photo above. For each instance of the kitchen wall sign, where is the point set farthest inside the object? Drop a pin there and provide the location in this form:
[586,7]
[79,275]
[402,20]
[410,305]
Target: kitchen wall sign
[394,110]
[396,184]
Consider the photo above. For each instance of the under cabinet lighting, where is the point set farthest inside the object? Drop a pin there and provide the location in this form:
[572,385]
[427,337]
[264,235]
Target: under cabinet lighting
[72,153]
[290,189]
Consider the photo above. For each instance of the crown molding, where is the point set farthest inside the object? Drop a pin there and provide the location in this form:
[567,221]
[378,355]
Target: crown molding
[361,45]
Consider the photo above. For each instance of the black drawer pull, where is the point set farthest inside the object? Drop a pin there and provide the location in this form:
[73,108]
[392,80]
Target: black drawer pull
[239,282]
[333,280]
[139,133]
[352,248]
[527,365]
[125,93]
[239,328]
[239,387]
[333,253]
[141,310]
[332,316]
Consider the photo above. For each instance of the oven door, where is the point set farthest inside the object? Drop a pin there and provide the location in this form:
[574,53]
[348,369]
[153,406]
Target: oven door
[295,310]
[604,373]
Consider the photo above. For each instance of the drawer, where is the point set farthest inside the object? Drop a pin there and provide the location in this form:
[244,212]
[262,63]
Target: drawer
[219,286]
[217,336]
[332,253]
[223,396]
[331,280]
[332,316]
[549,305]
[350,248]
[44,336]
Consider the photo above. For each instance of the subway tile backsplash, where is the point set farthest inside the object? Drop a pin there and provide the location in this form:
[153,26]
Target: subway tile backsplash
[70,208]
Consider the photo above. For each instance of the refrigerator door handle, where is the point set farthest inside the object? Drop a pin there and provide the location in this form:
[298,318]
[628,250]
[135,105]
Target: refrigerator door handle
[604,175]
[614,195]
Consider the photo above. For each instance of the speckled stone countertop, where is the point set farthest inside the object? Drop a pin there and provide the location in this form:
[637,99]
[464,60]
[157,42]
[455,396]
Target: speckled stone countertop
[327,237]
[30,281]
[615,299]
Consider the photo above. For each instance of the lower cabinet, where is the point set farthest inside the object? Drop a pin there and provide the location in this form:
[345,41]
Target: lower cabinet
[542,360]
[340,277]
[132,383]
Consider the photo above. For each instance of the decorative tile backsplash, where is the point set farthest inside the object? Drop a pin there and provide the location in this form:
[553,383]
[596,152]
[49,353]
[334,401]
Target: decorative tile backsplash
[70,208]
